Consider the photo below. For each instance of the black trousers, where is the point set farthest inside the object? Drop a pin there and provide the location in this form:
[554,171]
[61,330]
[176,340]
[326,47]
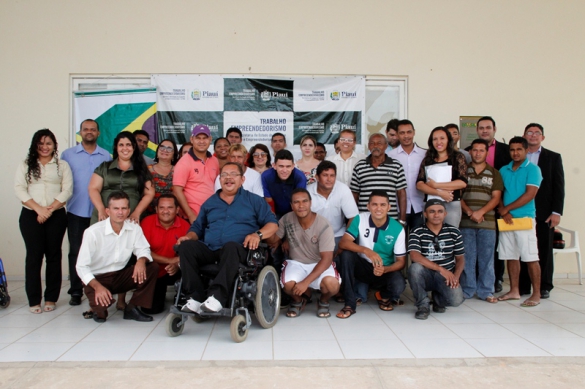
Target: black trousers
[160,293]
[42,240]
[195,254]
[544,236]
[76,225]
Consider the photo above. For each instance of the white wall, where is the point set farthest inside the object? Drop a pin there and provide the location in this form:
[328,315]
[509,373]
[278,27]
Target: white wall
[519,61]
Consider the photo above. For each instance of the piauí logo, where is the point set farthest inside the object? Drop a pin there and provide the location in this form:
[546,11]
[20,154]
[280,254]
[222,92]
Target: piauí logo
[334,95]
[335,127]
[196,94]
[265,96]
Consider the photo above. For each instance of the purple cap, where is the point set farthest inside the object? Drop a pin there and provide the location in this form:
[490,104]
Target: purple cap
[200,129]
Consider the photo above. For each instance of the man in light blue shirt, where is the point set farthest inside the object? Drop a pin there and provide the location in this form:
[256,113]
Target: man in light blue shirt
[521,182]
[83,159]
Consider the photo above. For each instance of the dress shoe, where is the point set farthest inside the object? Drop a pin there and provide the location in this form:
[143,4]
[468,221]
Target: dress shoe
[75,300]
[438,309]
[498,286]
[422,313]
[544,294]
[135,314]
[98,319]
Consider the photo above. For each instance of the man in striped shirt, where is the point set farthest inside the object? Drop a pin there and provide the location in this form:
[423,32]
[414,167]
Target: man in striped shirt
[436,250]
[478,224]
[378,171]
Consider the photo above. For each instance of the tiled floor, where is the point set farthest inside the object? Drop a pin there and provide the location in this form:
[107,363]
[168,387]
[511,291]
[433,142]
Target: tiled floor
[474,330]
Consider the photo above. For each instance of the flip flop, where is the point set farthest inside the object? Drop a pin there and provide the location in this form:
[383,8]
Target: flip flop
[87,315]
[505,298]
[530,303]
[491,299]
[50,307]
[345,313]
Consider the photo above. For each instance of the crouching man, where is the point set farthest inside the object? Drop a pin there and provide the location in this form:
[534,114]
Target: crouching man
[436,250]
[103,262]
[374,253]
[311,243]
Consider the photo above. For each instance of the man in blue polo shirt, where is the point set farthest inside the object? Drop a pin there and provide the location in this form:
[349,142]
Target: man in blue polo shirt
[229,223]
[83,159]
[374,253]
[521,182]
[280,181]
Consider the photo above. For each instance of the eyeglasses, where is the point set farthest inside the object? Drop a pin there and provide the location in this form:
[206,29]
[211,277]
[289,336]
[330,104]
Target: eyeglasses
[168,149]
[258,155]
[346,140]
[537,133]
[232,175]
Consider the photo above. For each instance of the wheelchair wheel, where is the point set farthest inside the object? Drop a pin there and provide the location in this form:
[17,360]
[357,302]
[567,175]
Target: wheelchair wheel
[267,301]
[174,324]
[238,329]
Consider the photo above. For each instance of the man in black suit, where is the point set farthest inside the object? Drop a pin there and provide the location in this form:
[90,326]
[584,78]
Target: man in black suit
[498,156]
[549,203]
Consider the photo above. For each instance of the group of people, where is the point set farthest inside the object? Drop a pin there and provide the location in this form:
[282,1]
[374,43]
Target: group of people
[342,224]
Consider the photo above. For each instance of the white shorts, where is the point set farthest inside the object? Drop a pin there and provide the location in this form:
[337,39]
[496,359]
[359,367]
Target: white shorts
[296,271]
[521,245]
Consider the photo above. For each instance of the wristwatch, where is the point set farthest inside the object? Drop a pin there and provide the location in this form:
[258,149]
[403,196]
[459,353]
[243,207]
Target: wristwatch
[259,234]
[402,222]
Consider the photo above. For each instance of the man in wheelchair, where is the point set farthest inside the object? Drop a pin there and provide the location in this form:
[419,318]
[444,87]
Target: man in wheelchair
[230,223]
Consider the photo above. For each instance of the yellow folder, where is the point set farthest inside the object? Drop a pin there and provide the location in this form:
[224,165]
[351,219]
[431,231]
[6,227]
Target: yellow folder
[520,223]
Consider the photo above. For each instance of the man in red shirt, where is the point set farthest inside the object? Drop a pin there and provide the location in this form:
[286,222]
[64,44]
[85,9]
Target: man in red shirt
[162,231]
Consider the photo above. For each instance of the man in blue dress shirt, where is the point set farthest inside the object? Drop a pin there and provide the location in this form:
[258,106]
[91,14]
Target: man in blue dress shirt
[83,159]
[230,223]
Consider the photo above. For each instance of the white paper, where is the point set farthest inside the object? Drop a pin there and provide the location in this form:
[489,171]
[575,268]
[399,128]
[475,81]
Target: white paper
[439,173]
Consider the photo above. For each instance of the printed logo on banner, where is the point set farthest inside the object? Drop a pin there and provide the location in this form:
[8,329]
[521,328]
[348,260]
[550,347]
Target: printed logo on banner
[336,95]
[334,128]
[206,94]
[265,96]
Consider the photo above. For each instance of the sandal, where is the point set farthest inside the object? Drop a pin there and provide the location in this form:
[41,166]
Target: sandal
[345,312]
[358,301]
[88,315]
[397,303]
[491,299]
[295,309]
[385,305]
[36,309]
[323,309]
[50,307]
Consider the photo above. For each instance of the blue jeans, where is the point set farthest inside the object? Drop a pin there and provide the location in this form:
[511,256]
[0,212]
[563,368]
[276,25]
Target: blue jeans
[354,267]
[478,275]
[423,280]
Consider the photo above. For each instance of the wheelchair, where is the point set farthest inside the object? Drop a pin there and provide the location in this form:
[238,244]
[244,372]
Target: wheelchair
[256,289]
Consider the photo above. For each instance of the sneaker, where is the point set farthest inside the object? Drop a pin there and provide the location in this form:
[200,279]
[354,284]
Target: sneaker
[211,305]
[422,313]
[192,306]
